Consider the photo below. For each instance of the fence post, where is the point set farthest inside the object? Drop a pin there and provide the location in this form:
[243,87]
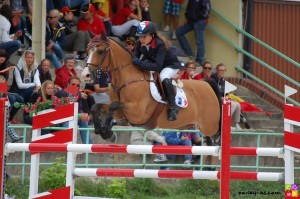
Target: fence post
[3,129]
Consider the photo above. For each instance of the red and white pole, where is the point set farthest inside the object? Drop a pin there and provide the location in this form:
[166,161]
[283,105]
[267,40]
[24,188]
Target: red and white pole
[3,128]
[225,150]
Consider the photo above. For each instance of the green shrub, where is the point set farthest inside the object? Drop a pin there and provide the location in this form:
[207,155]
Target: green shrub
[117,188]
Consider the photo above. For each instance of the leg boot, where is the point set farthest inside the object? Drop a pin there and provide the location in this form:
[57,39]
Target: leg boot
[170,94]
[13,135]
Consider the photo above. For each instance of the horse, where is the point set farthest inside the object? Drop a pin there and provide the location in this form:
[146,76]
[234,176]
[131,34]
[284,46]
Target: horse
[130,93]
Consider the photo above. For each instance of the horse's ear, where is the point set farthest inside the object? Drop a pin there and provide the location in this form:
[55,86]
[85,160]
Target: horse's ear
[103,36]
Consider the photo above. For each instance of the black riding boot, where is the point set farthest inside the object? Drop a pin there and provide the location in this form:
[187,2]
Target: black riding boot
[170,94]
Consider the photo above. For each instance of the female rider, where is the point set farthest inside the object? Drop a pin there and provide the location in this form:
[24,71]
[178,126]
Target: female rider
[152,53]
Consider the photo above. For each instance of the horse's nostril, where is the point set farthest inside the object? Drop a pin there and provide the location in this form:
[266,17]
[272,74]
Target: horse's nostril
[88,75]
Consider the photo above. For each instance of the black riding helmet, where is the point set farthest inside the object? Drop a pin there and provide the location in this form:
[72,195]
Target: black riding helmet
[145,28]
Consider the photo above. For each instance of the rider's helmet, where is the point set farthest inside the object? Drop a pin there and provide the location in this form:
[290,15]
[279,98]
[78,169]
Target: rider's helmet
[145,28]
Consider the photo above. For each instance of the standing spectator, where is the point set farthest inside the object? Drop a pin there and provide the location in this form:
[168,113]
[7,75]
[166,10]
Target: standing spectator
[26,79]
[75,41]
[206,71]
[235,106]
[8,42]
[101,87]
[197,12]
[171,11]
[83,118]
[99,5]
[44,70]
[90,22]
[145,10]
[55,38]
[64,73]
[127,19]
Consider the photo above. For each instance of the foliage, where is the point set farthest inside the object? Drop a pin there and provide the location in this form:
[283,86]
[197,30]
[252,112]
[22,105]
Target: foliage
[117,188]
[39,105]
[54,177]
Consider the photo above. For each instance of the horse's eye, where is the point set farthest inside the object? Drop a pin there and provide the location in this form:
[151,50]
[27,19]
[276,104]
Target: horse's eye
[101,52]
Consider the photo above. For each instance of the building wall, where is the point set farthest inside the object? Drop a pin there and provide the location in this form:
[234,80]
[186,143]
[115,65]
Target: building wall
[217,50]
[278,25]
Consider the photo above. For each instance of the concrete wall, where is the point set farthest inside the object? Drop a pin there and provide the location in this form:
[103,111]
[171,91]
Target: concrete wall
[217,50]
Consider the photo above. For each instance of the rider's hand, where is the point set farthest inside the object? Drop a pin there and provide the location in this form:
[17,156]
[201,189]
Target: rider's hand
[136,61]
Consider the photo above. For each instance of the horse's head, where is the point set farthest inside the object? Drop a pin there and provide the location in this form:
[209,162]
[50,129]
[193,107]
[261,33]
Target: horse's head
[99,57]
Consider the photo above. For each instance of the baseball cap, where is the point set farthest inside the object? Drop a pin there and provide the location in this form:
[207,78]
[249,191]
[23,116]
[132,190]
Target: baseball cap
[88,7]
[67,9]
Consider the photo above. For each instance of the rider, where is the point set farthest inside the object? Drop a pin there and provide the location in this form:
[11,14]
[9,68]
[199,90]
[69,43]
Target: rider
[152,53]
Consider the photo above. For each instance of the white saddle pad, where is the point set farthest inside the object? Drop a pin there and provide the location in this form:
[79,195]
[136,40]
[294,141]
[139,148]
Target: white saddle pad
[180,98]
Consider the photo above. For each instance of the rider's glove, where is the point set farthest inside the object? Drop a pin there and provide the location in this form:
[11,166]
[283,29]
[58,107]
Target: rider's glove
[136,61]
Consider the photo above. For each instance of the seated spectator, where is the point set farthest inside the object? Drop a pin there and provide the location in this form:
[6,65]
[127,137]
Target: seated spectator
[137,138]
[75,41]
[4,73]
[177,138]
[206,71]
[8,42]
[44,70]
[145,10]
[99,4]
[26,79]
[64,73]
[235,106]
[46,93]
[55,38]
[190,68]
[126,20]
[83,118]
[90,22]
[129,44]
[19,18]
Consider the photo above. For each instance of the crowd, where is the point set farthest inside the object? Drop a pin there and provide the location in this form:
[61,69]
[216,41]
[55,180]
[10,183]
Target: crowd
[70,27]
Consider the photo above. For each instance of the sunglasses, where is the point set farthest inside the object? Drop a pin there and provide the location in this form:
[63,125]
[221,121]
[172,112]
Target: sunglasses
[130,43]
[78,85]
[50,17]
[207,68]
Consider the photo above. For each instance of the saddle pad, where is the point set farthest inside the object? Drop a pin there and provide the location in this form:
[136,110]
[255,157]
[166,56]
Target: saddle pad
[180,98]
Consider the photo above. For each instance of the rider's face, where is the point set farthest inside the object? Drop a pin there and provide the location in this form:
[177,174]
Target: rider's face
[146,39]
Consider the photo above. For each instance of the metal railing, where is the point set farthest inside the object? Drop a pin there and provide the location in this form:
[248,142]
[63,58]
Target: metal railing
[237,48]
[143,164]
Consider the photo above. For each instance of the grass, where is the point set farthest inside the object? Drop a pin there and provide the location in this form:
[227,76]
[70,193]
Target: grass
[159,189]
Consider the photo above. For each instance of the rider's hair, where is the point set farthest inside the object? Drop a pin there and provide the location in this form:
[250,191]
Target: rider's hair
[164,39]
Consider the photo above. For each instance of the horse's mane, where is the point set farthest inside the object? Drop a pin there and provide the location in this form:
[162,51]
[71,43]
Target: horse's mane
[98,39]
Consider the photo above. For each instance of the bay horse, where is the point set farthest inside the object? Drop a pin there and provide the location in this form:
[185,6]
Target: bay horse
[130,92]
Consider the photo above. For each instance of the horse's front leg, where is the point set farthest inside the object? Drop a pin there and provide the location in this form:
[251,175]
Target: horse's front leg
[101,116]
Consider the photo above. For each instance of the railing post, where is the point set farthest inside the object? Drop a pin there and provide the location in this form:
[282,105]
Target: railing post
[225,150]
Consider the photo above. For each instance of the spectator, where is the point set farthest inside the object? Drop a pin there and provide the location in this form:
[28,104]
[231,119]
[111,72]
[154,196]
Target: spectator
[26,79]
[75,41]
[12,97]
[19,19]
[206,72]
[7,42]
[55,38]
[197,12]
[44,70]
[64,73]
[235,106]
[137,137]
[171,11]
[90,22]
[145,10]
[190,68]
[58,4]
[99,5]
[129,44]
[127,19]
[46,93]
[83,118]
[177,138]
[101,87]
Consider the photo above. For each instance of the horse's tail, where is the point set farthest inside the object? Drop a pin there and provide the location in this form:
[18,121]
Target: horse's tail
[216,89]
